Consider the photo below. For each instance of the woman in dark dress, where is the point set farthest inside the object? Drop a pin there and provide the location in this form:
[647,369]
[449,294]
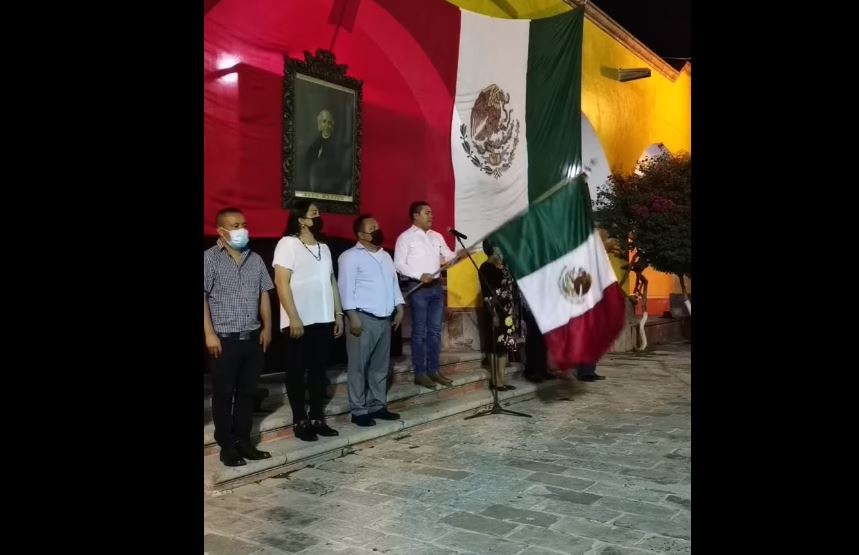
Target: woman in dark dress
[495,275]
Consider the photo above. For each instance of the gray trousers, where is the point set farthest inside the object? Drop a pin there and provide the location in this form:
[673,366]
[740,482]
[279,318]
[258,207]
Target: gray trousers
[369,362]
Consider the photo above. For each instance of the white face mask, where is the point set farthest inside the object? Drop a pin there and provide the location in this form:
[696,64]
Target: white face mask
[238,238]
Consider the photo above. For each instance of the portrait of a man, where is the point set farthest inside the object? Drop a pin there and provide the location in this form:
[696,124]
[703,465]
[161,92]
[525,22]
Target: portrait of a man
[328,160]
[325,116]
[321,133]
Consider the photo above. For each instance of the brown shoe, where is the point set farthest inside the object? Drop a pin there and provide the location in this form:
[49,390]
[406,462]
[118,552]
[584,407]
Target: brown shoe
[437,377]
[422,379]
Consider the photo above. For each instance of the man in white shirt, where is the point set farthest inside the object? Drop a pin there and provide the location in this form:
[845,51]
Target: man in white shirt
[419,256]
[370,294]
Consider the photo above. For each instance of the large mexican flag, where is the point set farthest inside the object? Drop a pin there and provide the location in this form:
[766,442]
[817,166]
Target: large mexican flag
[516,124]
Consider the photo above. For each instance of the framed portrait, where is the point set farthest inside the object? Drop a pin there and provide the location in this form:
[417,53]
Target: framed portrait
[321,133]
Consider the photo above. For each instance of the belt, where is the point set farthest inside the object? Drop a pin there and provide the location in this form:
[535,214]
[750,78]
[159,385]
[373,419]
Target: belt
[240,335]
[371,315]
[412,282]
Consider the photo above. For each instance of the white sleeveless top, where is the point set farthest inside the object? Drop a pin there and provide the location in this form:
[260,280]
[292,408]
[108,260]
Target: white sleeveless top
[311,280]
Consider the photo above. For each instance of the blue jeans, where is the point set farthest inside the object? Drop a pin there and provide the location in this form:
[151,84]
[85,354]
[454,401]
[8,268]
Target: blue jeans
[427,306]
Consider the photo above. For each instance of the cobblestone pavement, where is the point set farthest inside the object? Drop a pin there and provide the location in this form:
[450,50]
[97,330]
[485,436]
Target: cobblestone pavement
[601,468]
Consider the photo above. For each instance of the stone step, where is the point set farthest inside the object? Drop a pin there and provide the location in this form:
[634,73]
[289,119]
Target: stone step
[288,452]
[278,424]
[401,369]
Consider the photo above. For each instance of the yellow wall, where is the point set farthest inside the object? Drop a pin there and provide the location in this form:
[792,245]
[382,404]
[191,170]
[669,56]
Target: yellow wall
[627,118]
[463,286]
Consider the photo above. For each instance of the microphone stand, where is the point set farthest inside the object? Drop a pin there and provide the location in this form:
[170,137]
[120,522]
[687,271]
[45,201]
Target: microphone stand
[496,407]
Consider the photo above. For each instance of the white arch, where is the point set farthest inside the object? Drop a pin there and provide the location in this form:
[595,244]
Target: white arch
[593,159]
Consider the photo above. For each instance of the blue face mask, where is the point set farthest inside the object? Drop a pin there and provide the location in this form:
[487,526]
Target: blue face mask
[238,239]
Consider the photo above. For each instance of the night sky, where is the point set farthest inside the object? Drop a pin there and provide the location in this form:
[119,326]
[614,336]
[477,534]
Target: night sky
[665,26]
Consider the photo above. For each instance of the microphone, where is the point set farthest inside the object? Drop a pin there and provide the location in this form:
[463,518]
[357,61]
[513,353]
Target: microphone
[455,233]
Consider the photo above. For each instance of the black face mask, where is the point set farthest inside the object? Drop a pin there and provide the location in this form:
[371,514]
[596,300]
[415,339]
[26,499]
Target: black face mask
[376,237]
[316,228]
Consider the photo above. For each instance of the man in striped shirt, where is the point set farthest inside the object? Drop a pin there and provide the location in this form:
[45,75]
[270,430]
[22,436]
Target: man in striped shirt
[237,325]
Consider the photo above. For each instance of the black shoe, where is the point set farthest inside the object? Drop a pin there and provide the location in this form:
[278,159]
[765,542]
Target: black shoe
[363,420]
[384,414]
[250,452]
[322,429]
[509,387]
[591,378]
[439,378]
[231,457]
[303,431]
[424,380]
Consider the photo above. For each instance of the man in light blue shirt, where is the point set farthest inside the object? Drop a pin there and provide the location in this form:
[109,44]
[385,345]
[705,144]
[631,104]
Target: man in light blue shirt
[371,298]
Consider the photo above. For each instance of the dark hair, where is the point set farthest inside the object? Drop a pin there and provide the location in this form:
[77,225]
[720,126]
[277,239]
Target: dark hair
[488,247]
[224,212]
[415,208]
[358,224]
[298,209]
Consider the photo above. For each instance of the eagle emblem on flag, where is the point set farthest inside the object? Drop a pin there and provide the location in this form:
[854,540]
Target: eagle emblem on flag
[574,284]
[494,132]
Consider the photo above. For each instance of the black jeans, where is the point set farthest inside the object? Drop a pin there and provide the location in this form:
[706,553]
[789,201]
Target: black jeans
[535,348]
[586,370]
[235,375]
[308,354]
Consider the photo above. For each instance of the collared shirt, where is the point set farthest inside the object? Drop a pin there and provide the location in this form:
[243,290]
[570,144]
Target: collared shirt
[417,252]
[233,289]
[311,286]
[368,281]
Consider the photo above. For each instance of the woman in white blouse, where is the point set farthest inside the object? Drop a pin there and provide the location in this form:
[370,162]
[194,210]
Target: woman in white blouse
[310,316]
